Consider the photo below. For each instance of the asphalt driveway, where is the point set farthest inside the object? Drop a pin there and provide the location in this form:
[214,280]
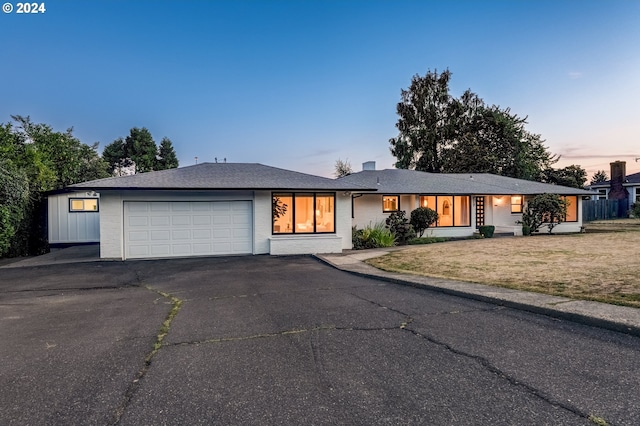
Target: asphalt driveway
[268,340]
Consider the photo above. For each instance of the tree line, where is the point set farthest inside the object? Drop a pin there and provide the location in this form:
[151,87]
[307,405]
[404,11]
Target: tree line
[36,159]
[440,133]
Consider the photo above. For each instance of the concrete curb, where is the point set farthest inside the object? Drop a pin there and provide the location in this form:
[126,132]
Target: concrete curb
[621,319]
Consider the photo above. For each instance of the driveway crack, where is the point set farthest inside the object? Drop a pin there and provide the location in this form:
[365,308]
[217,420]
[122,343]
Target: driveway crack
[512,380]
[254,336]
[176,305]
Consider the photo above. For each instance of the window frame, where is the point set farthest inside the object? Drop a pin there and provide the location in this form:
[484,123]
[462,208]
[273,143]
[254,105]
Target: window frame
[83,199]
[315,195]
[453,208]
[397,197]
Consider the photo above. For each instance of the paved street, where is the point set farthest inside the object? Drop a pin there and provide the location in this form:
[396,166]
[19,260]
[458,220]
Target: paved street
[268,340]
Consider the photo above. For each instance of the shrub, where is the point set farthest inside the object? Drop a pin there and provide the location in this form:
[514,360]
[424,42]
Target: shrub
[422,218]
[400,227]
[544,209]
[372,237]
[635,209]
[487,230]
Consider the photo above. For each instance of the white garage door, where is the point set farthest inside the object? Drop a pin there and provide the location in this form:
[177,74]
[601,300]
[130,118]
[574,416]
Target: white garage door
[187,228]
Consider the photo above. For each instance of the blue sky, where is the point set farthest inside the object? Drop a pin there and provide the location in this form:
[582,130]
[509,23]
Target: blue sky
[299,84]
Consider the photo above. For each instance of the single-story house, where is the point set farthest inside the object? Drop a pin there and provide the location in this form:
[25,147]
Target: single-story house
[463,201]
[209,209]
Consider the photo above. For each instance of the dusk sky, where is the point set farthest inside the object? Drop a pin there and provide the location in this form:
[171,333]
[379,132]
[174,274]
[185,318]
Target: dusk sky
[300,84]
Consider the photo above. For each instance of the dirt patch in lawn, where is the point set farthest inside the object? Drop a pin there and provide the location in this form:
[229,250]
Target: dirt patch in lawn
[601,265]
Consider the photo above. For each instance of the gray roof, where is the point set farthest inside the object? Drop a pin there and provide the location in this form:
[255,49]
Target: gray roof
[398,181]
[234,176]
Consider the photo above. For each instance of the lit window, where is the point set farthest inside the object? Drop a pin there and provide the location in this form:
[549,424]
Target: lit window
[572,209]
[303,213]
[452,210]
[390,203]
[462,212]
[83,204]
[282,213]
[516,204]
[428,201]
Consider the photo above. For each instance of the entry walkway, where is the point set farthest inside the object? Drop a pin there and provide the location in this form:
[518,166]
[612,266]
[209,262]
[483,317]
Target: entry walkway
[617,318]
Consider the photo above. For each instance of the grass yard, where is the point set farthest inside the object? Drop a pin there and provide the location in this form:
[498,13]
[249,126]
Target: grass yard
[601,264]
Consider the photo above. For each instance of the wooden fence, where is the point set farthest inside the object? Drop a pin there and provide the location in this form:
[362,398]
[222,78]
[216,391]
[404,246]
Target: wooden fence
[603,209]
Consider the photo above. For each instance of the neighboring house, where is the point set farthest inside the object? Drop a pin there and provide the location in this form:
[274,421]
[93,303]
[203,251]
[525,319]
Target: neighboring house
[620,186]
[214,209]
[463,201]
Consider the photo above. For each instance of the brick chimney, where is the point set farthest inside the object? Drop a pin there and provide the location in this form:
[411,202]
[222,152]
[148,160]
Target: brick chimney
[618,176]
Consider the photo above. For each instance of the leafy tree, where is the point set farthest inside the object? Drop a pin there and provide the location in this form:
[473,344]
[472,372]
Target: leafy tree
[544,209]
[167,158]
[34,159]
[599,177]
[115,154]
[422,218]
[425,124]
[572,176]
[139,150]
[14,202]
[343,168]
[440,133]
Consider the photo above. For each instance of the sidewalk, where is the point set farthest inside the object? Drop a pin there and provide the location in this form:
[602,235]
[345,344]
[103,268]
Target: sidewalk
[612,317]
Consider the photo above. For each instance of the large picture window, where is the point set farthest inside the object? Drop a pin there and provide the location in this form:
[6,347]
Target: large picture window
[83,205]
[452,210]
[303,213]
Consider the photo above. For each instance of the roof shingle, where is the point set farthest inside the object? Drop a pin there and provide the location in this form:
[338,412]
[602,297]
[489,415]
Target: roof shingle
[236,176]
[400,181]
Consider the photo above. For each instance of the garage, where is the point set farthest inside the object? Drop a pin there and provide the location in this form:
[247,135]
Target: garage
[187,228]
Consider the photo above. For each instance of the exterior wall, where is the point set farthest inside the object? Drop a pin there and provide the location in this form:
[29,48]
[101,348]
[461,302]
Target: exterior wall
[262,222]
[343,221]
[305,244]
[111,226]
[65,227]
[367,210]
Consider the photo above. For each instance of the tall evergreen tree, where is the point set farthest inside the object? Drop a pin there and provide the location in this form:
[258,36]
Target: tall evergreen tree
[167,158]
[599,177]
[141,149]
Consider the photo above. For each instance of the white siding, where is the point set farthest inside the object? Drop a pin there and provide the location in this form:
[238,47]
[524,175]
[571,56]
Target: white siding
[66,227]
[262,221]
